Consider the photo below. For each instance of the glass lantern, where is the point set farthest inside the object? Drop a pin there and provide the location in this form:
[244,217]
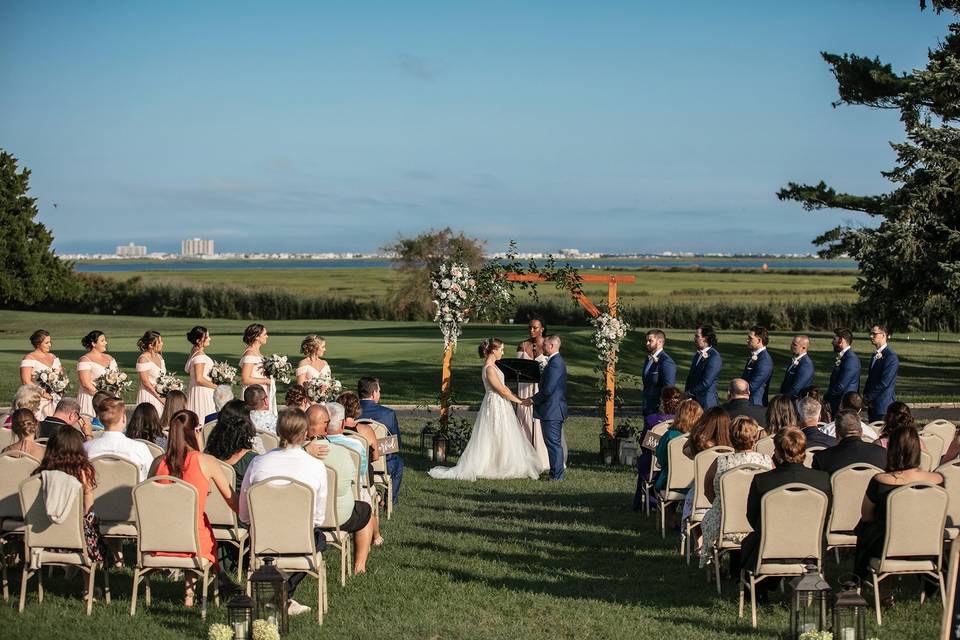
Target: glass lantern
[240,617]
[440,448]
[809,601]
[426,442]
[269,588]
[849,611]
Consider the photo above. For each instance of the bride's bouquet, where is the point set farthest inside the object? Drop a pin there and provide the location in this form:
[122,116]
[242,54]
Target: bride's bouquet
[278,368]
[113,381]
[223,373]
[323,389]
[166,383]
[53,381]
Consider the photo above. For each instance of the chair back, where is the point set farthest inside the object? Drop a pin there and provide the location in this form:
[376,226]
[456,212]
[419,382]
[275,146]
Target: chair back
[359,474]
[155,449]
[218,511]
[40,531]
[916,514]
[6,435]
[207,428]
[281,517]
[765,446]
[270,441]
[951,482]
[679,466]
[381,431]
[331,519]
[808,456]
[658,429]
[934,446]
[734,489]
[345,462]
[14,469]
[849,485]
[701,464]
[113,495]
[166,510]
[792,517]
[943,428]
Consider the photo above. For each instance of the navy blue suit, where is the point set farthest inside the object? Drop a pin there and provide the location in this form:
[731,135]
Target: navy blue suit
[757,373]
[797,377]
[656,376]
[388,418]
[702,379]
[881,382]
[550,407]
[844,378]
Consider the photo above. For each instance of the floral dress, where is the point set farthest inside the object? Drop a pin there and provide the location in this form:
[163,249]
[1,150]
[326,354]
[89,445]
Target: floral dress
[710,526]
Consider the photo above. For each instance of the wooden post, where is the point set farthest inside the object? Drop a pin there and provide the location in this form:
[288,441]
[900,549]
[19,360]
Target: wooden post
[445,381]
[611,367]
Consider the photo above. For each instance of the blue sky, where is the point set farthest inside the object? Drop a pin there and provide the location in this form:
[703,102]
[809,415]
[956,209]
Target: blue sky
[335,126]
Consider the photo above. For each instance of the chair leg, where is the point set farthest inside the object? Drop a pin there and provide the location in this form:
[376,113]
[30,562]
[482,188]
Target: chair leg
[753,602]
[716,568]
[3,570]
[663,519]
[943,590]
[23,583]
[147,593]
[39,584]
[740,587]
[133,594]
[106,584]
[240,553]
[203,593]
[91,575]
[836,551]
[876,599]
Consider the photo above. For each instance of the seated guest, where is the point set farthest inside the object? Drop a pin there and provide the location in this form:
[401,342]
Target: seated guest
[175,402]
[67,414]
[258,404]
[898,416]
[145,425]
[789,447]
[810,416]
[670,399]
[236,409]
[28,396]
[712,430]
[231,441]
[290,460]
[352,412]
[744,433]
[114,442]
[296,397]
[689,413]
[335,435]
[368,390]
[781,414]
[25,426]
[850,449]
[738,403]
[851,401]
[316,442]
[826,410]
[221,396]
[99,397]
[903,462]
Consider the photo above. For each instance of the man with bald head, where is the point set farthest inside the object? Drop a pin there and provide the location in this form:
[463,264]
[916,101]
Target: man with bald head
[799,373]
[738,403]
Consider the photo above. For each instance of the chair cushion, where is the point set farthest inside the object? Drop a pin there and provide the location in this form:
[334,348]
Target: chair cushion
[891,565]
[12,525]
[151,561]
[838,539]
[295,563]
[951,532]
[124,529]
[672,496]
[781,569]
[42,556]
[230,534]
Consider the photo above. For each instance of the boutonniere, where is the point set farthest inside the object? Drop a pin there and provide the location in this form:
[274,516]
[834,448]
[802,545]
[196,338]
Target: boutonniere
[541,362]
[705,353]
[653,359]
[836,362]
[796,361]
[878,355]
[753,358]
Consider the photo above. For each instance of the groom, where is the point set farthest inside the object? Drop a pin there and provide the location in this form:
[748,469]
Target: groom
[550,404]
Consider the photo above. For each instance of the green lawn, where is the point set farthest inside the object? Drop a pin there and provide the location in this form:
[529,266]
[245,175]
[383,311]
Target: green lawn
[488,559]
[406,356]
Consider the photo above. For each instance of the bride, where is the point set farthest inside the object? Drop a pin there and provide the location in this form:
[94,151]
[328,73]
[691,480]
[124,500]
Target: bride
[497,449]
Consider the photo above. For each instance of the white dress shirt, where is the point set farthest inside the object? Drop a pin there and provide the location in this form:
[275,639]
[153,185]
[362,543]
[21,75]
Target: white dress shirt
[264,420]
[292,462]
[831,430]
[115,443]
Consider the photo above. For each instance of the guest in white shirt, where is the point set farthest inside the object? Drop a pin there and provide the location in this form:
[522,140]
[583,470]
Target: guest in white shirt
[851,401]
[290,460]
[114,441]
[256,400]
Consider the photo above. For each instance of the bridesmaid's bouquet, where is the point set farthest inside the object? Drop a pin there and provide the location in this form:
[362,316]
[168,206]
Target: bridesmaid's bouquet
[166,383]
[223,373]
[53,381]
[323,389]
[112,381]
[278,368]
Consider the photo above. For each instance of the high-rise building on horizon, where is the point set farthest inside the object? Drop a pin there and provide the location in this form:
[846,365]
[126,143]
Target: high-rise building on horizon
[131,251]
[196,247]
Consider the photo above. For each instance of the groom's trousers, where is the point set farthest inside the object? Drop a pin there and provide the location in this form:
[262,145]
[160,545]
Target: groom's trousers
[552,430]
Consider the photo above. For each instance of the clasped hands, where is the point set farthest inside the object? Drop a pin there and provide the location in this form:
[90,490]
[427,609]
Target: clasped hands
[527,402]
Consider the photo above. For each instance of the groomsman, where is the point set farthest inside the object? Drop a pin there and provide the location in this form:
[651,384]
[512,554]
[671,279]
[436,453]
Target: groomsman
[658,372]
[882,377]
[799,375]
[845,376]
[759,368]
[705,369]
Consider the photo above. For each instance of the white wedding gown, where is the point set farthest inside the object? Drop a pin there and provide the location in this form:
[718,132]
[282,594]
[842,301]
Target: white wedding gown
[497,449]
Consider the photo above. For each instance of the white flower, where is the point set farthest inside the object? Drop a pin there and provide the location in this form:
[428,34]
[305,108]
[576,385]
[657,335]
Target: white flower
[445,283]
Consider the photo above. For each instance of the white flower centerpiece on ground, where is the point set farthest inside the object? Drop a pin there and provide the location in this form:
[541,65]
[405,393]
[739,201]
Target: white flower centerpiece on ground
[167,382]
[609,332]
[113,381]
[278,368]
[223,373]
[323,388]
[53,381]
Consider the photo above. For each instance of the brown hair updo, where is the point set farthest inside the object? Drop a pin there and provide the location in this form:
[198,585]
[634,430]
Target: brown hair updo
[488,346]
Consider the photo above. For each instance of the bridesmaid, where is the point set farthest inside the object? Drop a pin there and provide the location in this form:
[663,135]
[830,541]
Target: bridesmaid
[313,346]
[200,388]
[531,349]
[251,364]
[41,359]
[91,366]
[150,366]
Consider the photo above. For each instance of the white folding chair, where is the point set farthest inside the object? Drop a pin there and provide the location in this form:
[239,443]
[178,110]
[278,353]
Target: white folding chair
[14,469]
[848,486]
[679,477]
[647,483]
[701,464]
[734,526]
[223,519]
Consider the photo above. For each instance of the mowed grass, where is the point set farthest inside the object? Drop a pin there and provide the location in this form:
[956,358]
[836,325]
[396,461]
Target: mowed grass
[491,559]
[406,356]
[373,283]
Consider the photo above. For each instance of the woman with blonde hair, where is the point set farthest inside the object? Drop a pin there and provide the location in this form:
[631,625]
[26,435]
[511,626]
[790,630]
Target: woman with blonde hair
[781,414]
[313,365]
[25,426]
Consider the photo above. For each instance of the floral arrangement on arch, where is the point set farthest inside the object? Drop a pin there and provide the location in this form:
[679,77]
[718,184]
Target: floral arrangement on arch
[609,332]
[452,288]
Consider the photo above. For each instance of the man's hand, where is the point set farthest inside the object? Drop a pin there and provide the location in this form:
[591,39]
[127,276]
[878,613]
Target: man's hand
[317,449]
[527,402]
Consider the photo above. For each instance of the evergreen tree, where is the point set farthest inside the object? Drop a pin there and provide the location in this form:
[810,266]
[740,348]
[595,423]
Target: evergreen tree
[910,261]
[32,273]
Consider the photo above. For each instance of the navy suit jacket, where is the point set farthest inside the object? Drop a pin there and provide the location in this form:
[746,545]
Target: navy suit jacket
[702,379]
[844,378]
[881,382]
[758,374]
[660,374]
[384,415]
[797,377]
[550,402]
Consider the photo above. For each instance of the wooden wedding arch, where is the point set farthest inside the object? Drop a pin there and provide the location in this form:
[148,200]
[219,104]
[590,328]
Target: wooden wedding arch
[578,295]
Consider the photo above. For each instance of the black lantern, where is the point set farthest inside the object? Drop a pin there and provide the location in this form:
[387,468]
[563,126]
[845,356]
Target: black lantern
[849,611]
[426,442]
[609,450]
[270,595]
[809,600]
[440,443]
[240,617]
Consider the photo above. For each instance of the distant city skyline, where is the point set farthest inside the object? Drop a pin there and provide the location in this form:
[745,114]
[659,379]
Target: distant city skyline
[305,127]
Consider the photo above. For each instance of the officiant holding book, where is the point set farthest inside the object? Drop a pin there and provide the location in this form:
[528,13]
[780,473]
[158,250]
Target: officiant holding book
[532,349]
